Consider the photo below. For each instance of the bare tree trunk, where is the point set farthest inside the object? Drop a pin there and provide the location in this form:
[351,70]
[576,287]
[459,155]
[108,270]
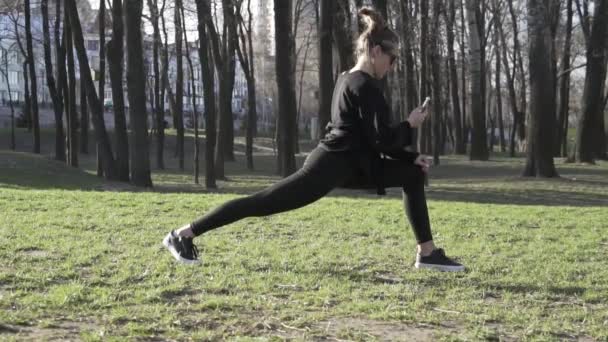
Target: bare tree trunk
[115,57]
[497,48]
[84,118]
[192,92]
[101,134]
[325,64]
[343,35]
[245,54]
[204,52]
[71,97]
[102,74]
[158,106]
[4,71]
[136,85]
[32,74]
[564,92]
[450,17]
[539,161]
[50,80]
[435,58]
[285,46]
[479,147]
[518,64]
[423,132]
[465,126]
[588,132]
[179,86]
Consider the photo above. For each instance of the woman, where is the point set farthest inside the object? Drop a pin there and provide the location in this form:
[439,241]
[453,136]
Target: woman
[360,150]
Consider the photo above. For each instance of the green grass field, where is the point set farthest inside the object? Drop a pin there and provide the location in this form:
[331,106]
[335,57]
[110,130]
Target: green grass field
[81,258]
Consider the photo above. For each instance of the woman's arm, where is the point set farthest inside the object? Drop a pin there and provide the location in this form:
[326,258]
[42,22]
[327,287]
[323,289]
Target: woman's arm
[386,138]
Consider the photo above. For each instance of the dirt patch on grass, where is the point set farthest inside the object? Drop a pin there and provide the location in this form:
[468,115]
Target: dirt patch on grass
[64,331]
[365,329]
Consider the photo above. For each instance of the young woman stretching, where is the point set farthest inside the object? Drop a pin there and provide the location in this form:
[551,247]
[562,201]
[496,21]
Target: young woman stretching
[360,150]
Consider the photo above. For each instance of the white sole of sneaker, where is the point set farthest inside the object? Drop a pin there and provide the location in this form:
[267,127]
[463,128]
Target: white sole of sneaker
[444,268]
[175,254]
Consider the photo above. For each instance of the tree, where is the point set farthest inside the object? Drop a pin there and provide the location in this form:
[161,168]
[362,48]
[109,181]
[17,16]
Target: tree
[115,57]
[497,80]
[326,82]
[223,49]
[101,135]
[136,86]
[4,71]
[205,55]
[561,138]
[539,160]
[32,75]
[450,19]
[192,95]
[590,130]
[70,94]
[50,80]
[158,100]
[343,35]
[424,133]
[84,136]
[285,46]
[244,48]
[477,69]
[179,85]
[435,59]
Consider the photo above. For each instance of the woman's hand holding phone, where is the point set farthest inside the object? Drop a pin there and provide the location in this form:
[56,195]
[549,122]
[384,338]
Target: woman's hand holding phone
[418,115]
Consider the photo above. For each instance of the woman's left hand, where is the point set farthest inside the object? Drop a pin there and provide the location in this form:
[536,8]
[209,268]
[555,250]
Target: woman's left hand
[424,162]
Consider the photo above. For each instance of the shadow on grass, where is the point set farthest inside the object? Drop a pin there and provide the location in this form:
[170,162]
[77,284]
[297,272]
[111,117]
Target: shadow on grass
[456,179]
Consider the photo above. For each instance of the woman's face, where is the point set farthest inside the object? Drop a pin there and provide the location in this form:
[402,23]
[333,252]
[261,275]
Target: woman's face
[383,61]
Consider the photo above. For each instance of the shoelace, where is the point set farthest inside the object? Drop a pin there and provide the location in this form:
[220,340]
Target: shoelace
[190,247]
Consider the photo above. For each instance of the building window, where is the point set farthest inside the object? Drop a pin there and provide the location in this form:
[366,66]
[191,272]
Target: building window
[13,78]
[92,45]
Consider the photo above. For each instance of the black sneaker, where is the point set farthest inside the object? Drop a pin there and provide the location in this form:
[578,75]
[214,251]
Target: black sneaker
[182,248]
[439,261]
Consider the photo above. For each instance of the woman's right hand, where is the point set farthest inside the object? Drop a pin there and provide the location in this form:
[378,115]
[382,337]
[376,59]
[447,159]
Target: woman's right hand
[416,117]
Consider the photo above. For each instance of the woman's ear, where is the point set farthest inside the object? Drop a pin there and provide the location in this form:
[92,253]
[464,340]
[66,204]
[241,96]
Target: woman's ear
[375,51]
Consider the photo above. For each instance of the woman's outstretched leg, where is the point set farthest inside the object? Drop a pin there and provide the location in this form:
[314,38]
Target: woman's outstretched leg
[322,171]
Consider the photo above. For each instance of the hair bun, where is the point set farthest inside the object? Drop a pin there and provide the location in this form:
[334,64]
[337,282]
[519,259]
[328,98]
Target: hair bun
[372,19]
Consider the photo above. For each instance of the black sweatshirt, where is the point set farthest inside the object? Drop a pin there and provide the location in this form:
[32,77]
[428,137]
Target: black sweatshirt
[360,123]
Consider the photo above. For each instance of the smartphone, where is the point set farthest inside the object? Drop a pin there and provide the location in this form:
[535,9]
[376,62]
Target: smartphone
[426,102]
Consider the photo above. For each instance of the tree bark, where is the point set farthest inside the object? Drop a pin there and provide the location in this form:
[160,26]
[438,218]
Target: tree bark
[158,100]
[101,134]
[72,115]
[203,14]
[477,69]
[245,54]
[435,58]
[423,131]
[179,86]
[32,74]
[497,80]
[450,18]
[84,119]
[589,130]
[102,73]
[50,80]
[343,35]
[136,86]
[539,160]
[115,57]
[285,45]
[326,81]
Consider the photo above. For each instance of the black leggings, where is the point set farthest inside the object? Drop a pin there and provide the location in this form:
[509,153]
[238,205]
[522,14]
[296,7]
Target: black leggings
[323,171]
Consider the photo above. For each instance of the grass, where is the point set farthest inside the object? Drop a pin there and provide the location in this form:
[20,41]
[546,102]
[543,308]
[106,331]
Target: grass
[81,258]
